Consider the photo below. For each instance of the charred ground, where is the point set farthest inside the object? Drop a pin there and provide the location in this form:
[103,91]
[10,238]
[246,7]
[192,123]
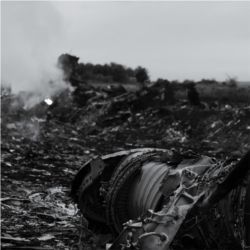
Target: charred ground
[44,146]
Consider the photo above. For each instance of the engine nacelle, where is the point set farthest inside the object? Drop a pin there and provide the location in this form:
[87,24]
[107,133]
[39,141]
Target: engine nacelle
[153,199]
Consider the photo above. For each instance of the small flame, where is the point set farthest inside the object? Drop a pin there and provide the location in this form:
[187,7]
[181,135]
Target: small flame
[48,101]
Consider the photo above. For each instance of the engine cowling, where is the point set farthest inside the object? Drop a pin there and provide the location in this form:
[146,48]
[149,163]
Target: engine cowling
[126,185]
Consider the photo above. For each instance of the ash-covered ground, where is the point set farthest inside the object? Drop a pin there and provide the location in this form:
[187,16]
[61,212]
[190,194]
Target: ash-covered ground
[44,145]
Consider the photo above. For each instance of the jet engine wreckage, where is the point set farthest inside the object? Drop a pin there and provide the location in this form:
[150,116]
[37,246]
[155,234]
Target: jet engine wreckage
[154,199]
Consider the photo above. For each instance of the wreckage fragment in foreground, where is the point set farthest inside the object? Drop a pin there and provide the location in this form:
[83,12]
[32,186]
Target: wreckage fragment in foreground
[155,200]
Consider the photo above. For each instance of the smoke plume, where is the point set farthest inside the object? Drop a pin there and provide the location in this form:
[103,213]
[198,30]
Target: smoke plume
[30,48]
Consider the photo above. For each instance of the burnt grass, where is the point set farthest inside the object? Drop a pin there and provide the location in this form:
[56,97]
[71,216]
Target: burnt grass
[44,146]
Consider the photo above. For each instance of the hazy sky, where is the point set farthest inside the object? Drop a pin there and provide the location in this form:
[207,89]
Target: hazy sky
[173,40]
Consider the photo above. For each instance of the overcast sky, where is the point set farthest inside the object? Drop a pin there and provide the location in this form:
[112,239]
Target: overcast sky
[173,40]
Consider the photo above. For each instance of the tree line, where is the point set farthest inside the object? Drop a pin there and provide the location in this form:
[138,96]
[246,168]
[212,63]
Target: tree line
[77,72]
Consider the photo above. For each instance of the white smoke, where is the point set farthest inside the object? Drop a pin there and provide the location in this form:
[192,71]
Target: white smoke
[30,31]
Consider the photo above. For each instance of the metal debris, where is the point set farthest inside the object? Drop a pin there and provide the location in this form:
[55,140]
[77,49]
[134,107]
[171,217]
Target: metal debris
[154,200]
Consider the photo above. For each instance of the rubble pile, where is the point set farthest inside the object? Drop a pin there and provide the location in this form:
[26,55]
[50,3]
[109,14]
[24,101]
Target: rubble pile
[145,118]
[43,147]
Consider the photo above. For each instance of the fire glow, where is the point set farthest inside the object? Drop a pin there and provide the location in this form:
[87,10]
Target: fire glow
[48,101]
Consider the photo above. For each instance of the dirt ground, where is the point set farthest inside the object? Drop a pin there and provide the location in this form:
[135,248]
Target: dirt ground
[41,153]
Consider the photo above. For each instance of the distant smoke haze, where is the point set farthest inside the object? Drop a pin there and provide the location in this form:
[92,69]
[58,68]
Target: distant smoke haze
[30,32]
